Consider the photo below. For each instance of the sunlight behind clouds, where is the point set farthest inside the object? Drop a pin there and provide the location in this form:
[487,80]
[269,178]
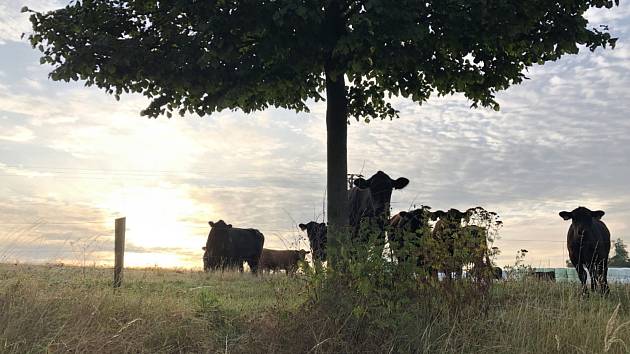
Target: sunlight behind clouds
[155,215]
[74,154]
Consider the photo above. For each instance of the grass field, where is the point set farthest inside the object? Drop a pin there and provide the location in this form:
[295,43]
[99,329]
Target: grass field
[71,309]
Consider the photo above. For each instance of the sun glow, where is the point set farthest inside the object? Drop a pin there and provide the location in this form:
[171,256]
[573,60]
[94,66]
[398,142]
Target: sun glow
[161,223]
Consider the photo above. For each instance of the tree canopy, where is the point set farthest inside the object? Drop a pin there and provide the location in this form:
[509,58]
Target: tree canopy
[206,56]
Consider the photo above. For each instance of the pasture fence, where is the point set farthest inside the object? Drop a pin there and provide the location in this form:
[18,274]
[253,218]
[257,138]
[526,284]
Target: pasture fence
[119,250]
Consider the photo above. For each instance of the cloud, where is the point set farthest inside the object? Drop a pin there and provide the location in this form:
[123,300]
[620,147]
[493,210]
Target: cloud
[16,133]
[13,22]
[74,153]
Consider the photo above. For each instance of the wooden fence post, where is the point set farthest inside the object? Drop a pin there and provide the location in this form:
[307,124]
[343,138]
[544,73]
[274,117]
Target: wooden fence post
[119,251]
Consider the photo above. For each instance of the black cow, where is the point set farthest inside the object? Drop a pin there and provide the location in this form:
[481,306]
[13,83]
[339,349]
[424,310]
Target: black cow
[446,232]
[472,247]
[317,238]
[588,242]
[229,247]
[497,273]
[408,226]
[370,199]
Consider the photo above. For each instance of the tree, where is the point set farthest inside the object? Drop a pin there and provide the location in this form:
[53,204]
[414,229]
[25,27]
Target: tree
[620,259]
[205,56]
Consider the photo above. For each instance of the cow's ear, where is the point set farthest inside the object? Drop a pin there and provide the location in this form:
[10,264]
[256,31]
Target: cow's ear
[597,214]
[203,248]
[229,226]
[211,223]
[400,183]
[566,215]
[303,227]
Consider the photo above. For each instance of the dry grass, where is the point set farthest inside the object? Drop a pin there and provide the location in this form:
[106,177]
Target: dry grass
[65,309]
[68,309]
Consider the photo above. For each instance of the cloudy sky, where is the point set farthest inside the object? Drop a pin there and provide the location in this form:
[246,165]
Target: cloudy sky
[72,159]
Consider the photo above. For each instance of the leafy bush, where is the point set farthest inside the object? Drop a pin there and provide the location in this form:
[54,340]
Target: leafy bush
[390,292]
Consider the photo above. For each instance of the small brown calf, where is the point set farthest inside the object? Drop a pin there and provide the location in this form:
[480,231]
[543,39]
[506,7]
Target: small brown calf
[281,259]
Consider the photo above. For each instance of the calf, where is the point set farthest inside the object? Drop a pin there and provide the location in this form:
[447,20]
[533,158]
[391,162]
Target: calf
[281,259]
[317,238]
[588,242]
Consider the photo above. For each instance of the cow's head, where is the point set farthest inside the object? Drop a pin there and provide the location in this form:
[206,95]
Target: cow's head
[582,219]
[452,215]
[316,233]
[302,254]
[219,225]
[381,187]
[415,219]
[314,230]
[451,220]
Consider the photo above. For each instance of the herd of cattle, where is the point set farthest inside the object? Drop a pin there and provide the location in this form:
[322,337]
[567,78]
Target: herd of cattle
[588,239]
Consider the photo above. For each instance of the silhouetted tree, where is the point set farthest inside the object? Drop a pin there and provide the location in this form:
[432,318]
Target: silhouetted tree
[205,56]
[620,259]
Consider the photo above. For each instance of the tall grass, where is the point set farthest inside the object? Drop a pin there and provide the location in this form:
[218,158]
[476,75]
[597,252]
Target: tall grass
[66,309]
[528,316]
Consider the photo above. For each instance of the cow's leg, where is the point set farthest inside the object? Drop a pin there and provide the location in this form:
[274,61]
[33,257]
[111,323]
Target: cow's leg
[582,275]
[593,274]
[447,273]
[603,277]
[433,273]
[239,265]
[479,270]
[597,274]
[451,261]
[459,270]
[253,265]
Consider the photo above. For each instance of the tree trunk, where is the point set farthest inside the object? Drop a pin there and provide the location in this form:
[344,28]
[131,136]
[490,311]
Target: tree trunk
[337,133]
[336,129]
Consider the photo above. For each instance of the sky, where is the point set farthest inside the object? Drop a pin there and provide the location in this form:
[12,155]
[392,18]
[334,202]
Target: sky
[72,159]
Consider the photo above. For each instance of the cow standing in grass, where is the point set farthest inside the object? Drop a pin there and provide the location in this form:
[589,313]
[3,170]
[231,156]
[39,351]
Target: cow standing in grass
[369,201]
[446,233]
[317,239]
[229,247]
[588,242]
[275,260]
[473,242]
[406,231]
